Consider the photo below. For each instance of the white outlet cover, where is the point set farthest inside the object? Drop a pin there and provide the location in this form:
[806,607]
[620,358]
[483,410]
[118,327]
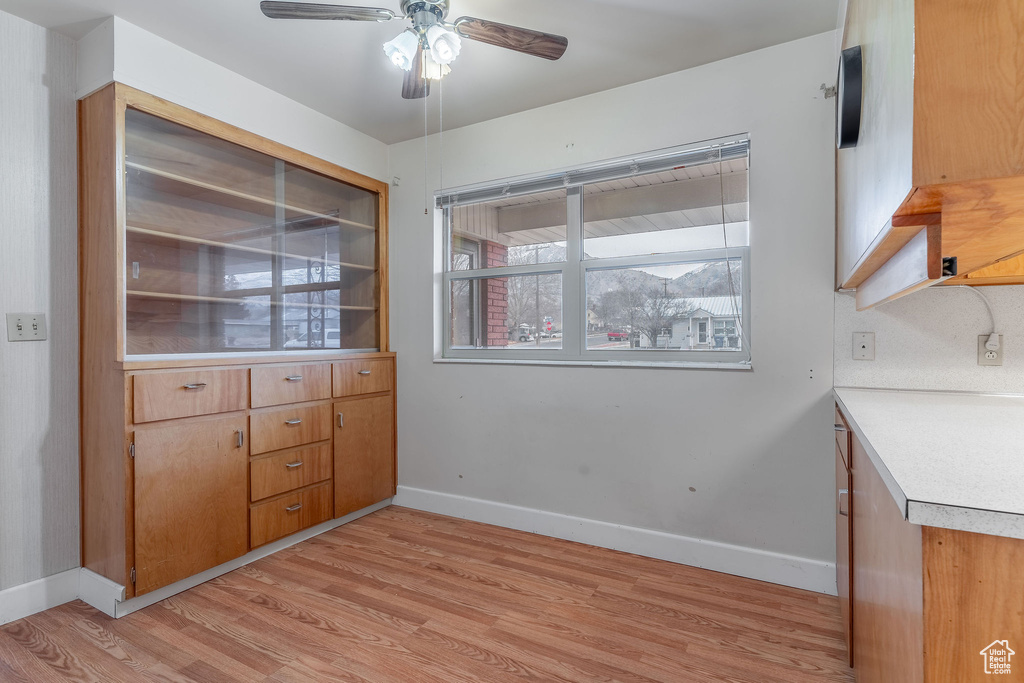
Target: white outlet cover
[863,345]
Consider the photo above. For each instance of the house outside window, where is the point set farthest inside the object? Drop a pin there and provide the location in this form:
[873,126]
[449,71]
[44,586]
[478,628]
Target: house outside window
[635,260]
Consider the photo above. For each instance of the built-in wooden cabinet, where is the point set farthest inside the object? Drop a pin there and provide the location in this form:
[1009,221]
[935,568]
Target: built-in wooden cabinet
[925,601]
[844,530]
[222,278]
[938,171]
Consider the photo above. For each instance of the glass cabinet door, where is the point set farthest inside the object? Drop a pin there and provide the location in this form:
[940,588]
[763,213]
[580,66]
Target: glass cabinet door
[228,250]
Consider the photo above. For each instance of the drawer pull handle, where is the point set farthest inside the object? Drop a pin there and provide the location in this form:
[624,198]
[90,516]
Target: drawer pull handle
[293,508]
[296,421]
[364,372]
[294,378]
[241,438]
[293,465]
[197,385]
[839,428]
[842,493]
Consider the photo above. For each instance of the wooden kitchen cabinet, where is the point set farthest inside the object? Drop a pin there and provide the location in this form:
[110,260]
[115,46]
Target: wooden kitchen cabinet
[938,171]
[191,495]
[844,531]
[221,277]
[925,600]
[364,452]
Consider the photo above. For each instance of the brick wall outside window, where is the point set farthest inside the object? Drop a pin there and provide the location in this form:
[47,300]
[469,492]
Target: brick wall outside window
[494,297]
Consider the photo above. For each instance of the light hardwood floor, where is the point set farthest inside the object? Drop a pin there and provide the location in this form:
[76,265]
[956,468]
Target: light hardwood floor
[406,596]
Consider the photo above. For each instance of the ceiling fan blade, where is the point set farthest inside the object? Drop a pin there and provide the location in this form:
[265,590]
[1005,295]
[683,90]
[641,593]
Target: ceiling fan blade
[309,10]
[537,43]
[415,86]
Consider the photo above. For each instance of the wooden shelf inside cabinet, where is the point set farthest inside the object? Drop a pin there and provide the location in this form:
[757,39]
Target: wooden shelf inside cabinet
[236,199]
[227,300]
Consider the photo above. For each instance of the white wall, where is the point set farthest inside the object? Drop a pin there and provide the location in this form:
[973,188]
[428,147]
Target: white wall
[928,340]
[38,273]
[626,445]
[123,52]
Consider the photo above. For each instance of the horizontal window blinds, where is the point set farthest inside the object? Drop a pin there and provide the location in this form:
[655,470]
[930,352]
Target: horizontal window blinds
[711,152]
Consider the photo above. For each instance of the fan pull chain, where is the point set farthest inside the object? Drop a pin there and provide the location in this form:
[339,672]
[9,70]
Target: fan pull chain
[426,181]
[440,129]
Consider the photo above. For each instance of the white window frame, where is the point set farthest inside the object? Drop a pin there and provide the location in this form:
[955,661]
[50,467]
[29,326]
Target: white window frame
[574,269]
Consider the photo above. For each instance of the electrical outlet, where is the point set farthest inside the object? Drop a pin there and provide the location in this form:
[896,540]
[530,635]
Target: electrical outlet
[26,327]
[987,357]
[863,345]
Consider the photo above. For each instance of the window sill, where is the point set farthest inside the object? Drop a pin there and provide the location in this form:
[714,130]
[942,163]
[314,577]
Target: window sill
[676,365]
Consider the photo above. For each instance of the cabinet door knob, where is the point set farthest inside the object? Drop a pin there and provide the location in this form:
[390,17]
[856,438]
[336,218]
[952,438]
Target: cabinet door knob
[197,385]
[364,372]
[844,493]
[293,465]
[296,421]
[839,428]
[294,378]
[293,508]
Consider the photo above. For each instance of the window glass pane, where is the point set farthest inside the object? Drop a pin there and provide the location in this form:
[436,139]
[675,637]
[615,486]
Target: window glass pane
[513,231]
[523,312]
[680,307]
[658,213]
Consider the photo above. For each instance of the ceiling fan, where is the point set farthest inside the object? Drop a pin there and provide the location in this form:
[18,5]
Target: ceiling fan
[426,49]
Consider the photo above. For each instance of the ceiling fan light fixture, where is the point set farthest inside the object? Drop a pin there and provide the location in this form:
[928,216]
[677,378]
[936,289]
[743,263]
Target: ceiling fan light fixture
[402,49]
[444,43]
[432,70]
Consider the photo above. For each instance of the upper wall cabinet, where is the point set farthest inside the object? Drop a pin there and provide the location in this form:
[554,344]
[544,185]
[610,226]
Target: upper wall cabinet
[212,240]
[938,171]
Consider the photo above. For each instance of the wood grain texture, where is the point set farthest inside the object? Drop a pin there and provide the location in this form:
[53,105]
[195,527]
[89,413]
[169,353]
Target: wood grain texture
[973,595]
[888,589]
[106,471]
[968,90]
[191,498]
[874,178]
[1009,271]
[271,385]
[283,471]
[409,596]
[166,395]
[844,543]
[290,512]
[271,431]
[354,377]
[364,453]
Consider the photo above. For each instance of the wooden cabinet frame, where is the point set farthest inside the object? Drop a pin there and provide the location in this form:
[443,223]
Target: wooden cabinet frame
[107,422]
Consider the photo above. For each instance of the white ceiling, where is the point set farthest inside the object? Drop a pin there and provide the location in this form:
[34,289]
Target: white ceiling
[338,68]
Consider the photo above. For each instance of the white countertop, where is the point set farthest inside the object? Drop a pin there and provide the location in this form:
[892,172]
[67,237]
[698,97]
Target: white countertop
[950,460]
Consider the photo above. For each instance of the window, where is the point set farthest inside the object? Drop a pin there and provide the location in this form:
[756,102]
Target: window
[638,260]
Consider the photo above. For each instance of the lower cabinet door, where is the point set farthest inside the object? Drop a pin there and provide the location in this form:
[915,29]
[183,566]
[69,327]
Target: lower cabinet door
[364,453]
[291,512]
[191,499]
[844,547]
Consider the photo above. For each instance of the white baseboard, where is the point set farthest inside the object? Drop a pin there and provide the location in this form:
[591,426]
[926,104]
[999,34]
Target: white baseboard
[108,596]
[787,570]
[36,596]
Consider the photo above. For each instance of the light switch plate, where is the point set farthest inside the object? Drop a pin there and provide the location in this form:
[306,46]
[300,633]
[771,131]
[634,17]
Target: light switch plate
[863,345]
[26,327]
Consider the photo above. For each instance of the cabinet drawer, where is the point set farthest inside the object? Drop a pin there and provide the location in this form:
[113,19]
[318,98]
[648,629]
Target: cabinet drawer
[274,386]
[353,377]
[273,430]
[287,514]
[289,470]
[169,395]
